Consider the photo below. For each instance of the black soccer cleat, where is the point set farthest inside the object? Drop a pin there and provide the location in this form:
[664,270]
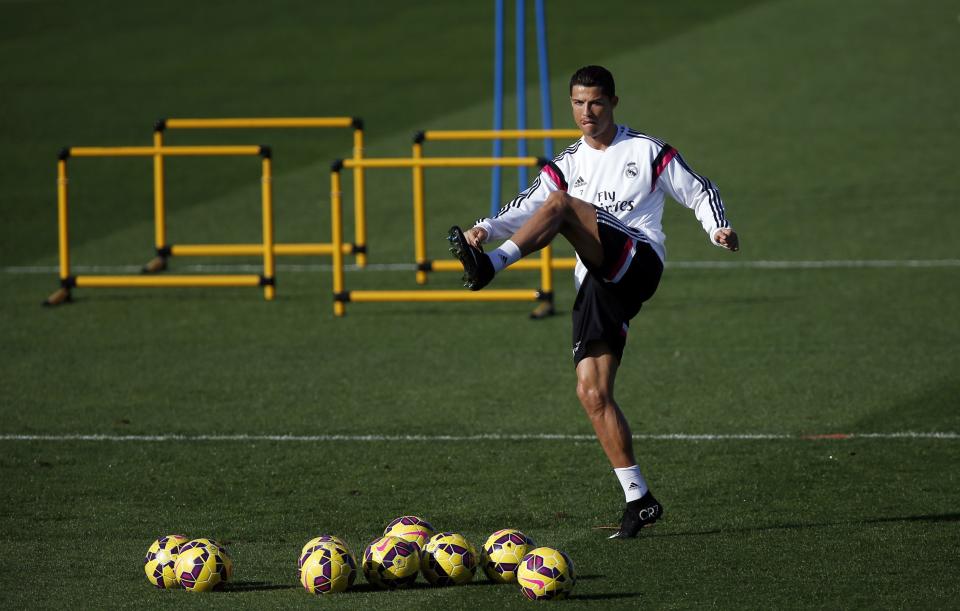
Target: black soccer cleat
[638,514]
[477,268]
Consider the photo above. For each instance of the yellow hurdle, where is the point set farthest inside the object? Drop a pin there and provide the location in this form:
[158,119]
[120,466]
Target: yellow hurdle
[341,296]
[442,162]
[170,280]
[261,122]
[153,151]
[165,250]
[496,134]
[424,264]
[444,295]
[233,250]
[558,263]
[266,249]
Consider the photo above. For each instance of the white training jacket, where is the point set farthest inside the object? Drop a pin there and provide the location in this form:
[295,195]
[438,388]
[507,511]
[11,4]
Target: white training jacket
[629,180]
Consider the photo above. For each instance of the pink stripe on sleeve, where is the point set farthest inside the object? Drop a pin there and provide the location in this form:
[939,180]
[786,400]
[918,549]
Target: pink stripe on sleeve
[555,176]
[662,162]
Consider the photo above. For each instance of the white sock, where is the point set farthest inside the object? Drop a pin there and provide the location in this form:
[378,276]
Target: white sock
[634,486]
[506,254]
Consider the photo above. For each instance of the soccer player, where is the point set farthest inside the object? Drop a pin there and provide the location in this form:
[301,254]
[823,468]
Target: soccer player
[605,195]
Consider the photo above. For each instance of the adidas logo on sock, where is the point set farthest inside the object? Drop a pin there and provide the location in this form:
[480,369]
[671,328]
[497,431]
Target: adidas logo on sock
[632,486]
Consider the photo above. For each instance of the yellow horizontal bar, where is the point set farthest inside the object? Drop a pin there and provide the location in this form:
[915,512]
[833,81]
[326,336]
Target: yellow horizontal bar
[523,264]
[239,250]
[502,134]
[150,151]
[310,249]
[260,122]
[167,281]
[440,162]
[446,266]
[443,295]
[534,264]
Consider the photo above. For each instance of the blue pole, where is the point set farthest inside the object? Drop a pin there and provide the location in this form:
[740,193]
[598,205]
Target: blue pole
[521,87]
[546,113]
[497,102]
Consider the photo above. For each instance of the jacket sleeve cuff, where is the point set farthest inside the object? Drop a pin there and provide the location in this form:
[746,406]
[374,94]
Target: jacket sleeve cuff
[486,226]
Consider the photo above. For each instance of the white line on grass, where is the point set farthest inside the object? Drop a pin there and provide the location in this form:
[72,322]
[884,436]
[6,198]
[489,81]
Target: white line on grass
[479,437]
[407,267]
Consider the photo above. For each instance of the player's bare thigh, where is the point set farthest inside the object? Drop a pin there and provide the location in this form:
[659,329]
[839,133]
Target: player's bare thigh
[580,228]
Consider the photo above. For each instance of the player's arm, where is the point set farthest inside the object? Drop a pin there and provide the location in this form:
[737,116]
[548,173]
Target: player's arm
[696,192]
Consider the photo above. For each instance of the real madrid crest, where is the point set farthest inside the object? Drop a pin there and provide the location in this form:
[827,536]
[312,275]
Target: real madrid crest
[631,171]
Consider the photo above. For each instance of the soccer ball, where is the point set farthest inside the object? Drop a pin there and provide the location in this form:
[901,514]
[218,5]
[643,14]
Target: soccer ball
[327,570]
[448,559]
[502,554]
[203,566]
[158,564]
[391,562]
[410,528]
[316,543]
[546,573]
[199,543]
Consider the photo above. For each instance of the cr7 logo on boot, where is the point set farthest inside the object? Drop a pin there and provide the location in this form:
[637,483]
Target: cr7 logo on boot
[648,512]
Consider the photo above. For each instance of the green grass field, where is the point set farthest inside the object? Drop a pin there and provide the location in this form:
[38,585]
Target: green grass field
[795,404]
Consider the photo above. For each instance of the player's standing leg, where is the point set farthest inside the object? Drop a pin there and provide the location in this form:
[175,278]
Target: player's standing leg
[596,374]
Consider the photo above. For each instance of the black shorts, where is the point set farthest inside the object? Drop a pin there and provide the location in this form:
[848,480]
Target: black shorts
[612,294]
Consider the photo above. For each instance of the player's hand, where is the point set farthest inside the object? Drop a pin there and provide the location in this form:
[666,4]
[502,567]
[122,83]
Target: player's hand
[476,237]
[727,238]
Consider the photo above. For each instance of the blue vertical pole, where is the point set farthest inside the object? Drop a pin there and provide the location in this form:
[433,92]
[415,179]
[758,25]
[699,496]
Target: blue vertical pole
[546,113]
[497,102]
[521,87]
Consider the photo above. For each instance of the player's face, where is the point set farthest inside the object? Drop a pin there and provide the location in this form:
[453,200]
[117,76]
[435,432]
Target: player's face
[592,110]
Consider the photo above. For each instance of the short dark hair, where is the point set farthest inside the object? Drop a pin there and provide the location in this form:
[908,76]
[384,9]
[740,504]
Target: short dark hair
[594,76]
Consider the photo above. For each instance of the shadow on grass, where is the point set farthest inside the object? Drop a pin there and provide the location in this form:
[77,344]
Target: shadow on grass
[479,581]
[368,587]
[256,586]
[588,577]
[936,517]
[943,517]
[608,596]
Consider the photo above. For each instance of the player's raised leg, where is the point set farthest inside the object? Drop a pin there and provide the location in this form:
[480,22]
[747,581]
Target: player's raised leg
[573,218]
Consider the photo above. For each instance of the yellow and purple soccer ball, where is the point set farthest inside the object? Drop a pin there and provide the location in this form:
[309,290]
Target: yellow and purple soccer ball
[192,543]
[546,573]
[414,529]
[391,562]
[327,570]
[448,559]
[160,558]
[316,543]
[502,553]
[203,565]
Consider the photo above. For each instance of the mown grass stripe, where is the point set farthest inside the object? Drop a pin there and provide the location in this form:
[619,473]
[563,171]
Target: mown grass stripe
[480,437]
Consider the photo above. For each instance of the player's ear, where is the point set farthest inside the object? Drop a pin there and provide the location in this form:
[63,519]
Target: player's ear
[613,101]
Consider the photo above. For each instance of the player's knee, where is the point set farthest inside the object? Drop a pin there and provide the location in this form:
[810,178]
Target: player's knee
[594,399]
[558,202]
